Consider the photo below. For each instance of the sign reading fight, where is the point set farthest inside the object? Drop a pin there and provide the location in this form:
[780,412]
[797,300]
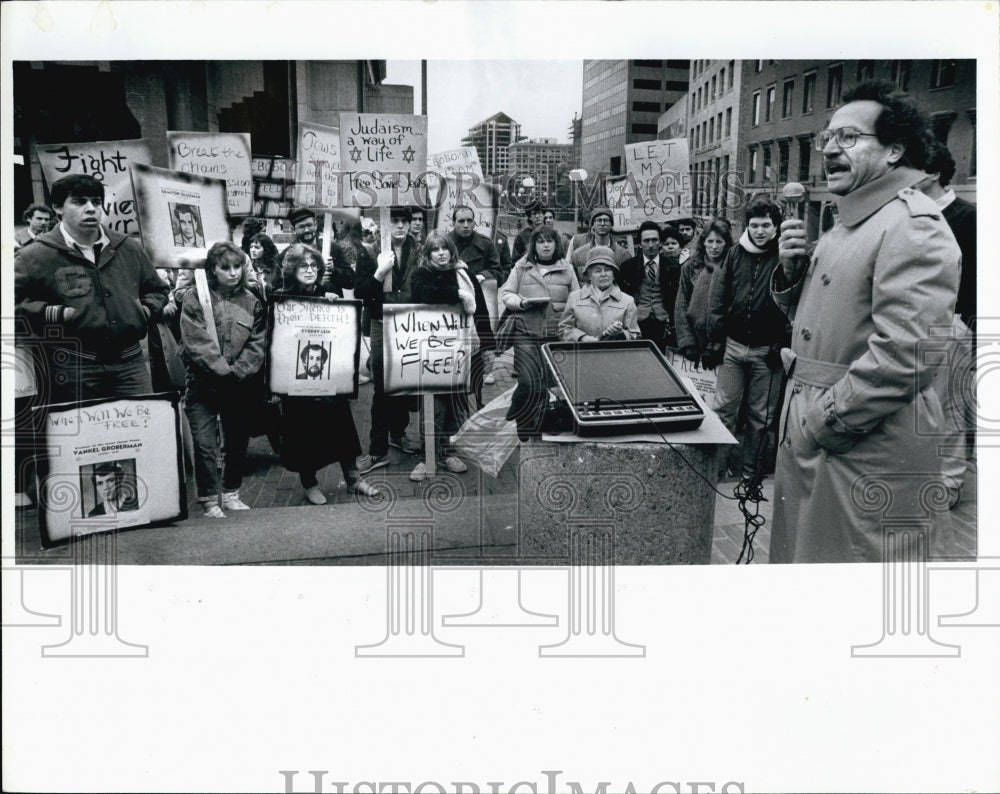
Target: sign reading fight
[106,161]
[659,176]
[317,167]
[221,155]
[315,347]
[110,465]
[384,157]
[427,348]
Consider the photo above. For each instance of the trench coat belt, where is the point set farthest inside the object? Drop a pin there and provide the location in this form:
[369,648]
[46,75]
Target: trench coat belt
[811,372]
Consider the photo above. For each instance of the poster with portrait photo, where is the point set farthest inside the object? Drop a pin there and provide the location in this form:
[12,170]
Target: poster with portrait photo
[109,464]
[180,215]
[315,347]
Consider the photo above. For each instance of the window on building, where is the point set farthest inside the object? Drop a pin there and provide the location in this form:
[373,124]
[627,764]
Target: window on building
[943,73]
[808,92]
[767,172]
[698,105]
[769,104]
[787,95]
[899,72]
[650,64]
[729,122]
[711,130]
[805,152]
[641,82]
[783,155]
[675,85]
[941,124]
[718,125]
[697,137]
[866,71]
[616,165]
[692,103]
[755,109]
[732,71]
[834,85]
[678,64]
[714,81]
[692,133]
[758,65]
[644,129]
[722,79]
[752,167]
[646,107]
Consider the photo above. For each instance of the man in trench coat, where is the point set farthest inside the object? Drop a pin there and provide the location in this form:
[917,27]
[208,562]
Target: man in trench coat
[861,425]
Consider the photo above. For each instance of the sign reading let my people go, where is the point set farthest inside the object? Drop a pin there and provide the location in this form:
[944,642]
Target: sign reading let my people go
[384,159]
[659,178]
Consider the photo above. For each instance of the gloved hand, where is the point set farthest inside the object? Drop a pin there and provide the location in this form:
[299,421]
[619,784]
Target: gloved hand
[712,357]
[773,358]
[614,331]
[691,354]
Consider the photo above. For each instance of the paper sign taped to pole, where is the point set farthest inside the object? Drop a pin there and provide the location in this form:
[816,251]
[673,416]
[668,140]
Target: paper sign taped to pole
[384,157]
[220,155]
[315,347]
[317,167]
[480,197]
[661,174]
[108,162]
[427,349]
[180,215]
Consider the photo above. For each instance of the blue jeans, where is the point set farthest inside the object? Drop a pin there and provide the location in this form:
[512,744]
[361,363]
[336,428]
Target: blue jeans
[205,405]
[745,369]
[72,378]
[390,413]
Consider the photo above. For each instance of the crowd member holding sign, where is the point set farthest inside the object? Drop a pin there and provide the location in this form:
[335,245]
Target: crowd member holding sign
[537,290]
[94,288]
[601,220]
[387,280]
[599,310]
[694,293]
[264,260]
[223,350]
[748,331]
[877,283]
[441,277]
[651,278]
[316,431]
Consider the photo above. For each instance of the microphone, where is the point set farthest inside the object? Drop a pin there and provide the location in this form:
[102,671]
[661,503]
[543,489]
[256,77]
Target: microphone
[793,199]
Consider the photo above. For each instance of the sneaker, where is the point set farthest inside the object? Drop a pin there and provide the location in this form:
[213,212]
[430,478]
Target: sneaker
[367,463]
[404,444]
[364,488]
[231,501]
[489,380]
[315,496]
[419,474]
[212,510]
[22,501]
[452,463]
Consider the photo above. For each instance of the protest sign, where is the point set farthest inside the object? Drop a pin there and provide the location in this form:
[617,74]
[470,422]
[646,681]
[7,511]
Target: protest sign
[273,190]
[480,197]
[317,166]
[384,158]
[660,173]
[180,215]
[620,200]
[427,348]
[703,380]
[110,464]
[220,155]
[315,347]
[108,162]
[464,160]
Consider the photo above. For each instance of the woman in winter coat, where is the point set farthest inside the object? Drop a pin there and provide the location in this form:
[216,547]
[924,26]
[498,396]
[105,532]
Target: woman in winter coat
[219,366]
[264,259]
[599,310]
[441,277]
[694,294]
[318,431]
[537,289]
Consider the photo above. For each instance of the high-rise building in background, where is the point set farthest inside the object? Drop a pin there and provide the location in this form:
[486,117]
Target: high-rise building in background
[546,161]
[491,137]
[622,101]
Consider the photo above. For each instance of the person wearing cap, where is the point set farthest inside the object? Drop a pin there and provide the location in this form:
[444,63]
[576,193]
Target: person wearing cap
[304,226]
[599,310]
[601,221]
[533,214]
[651,278]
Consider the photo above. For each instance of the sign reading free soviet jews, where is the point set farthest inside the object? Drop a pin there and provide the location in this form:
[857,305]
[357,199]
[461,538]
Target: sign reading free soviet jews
[427,348]
[108,162]
[384,157]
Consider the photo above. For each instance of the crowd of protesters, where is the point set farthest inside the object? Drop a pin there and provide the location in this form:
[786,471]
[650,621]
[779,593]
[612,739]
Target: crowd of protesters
[779,319]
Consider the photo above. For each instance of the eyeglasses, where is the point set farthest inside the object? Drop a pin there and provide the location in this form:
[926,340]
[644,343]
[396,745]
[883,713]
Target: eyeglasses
[846,137]
[308,267]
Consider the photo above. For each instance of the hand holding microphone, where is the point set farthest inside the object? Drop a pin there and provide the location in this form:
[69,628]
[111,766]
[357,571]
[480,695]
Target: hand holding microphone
[792,244]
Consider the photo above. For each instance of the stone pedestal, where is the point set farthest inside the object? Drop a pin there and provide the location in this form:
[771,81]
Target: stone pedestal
[591,503]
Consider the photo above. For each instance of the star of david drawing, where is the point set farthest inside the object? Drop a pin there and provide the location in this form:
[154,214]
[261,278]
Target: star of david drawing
[408,154]
[355,154]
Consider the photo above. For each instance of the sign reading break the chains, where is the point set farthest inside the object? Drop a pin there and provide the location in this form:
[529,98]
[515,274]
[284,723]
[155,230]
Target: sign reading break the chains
[427,348]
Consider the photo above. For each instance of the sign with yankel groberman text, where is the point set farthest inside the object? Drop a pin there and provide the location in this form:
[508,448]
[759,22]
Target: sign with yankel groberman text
[108,162]
[384,157]
[220,155]
[427,348]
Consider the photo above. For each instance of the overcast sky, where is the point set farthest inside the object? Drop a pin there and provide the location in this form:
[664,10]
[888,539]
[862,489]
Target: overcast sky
[541,95]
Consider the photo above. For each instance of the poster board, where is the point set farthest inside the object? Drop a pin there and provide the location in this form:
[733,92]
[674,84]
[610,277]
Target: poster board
[273,186]
[619,196]
[315,347]
[463,160]
[317,167]
[660,171]
[703,380]
[108,162]
[180,215]
[427,348]
[125,452]
[481,197]
[383,156]
[220,155]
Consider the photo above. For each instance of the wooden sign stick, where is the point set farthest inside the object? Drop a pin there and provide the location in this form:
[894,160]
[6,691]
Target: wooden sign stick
[327,236]
[430,459]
